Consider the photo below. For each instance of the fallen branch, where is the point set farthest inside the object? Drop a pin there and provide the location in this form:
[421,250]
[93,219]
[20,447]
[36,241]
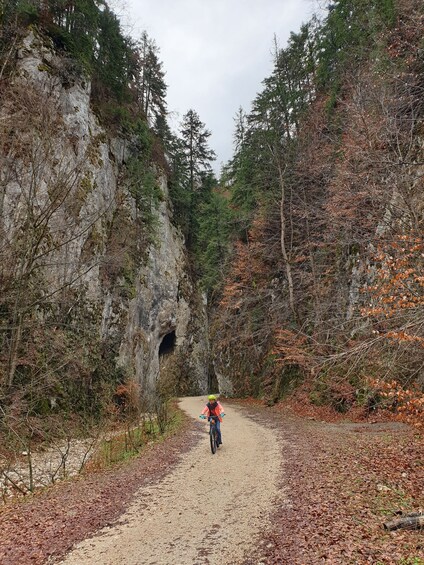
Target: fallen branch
[22,490]
[413,521]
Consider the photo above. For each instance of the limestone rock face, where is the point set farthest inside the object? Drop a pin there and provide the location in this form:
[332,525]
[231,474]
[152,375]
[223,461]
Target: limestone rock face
[135,291]
[167,316]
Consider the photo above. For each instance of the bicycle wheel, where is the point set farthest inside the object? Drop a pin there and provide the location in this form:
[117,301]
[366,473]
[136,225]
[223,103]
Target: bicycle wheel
[212,436]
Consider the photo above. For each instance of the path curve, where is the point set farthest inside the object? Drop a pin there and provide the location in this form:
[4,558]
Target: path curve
[208,510]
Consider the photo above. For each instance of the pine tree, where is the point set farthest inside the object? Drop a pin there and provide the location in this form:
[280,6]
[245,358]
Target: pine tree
[240,174]
[198,154]
[150,79]
[214,231]
[113,57]
[196,158]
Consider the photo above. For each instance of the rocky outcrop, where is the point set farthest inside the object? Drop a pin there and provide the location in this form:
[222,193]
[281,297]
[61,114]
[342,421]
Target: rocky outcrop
[167,315]
[64,185]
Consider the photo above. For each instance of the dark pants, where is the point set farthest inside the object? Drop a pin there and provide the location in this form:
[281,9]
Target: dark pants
[218,429]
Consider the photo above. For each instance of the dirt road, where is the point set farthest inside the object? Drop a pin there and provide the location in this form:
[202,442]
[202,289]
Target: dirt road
[208,510]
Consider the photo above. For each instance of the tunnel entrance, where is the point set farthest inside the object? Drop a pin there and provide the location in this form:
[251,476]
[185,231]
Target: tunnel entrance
[167,344]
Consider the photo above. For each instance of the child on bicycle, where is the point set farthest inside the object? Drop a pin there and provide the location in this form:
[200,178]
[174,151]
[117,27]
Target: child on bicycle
[214,409]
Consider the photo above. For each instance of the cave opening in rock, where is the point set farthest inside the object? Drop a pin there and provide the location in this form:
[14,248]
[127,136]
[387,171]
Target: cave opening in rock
[168,344]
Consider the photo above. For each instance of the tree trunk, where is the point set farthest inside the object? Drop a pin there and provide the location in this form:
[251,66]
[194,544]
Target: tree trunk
[283,238]
[14,348]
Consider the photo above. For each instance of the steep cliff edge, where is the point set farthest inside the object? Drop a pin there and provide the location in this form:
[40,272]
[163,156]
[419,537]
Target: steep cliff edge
[96,287]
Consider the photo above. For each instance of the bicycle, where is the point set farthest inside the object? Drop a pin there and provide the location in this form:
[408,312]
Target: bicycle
[213,432]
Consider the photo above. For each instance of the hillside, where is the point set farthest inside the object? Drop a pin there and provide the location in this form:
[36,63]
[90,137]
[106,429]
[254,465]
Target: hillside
[325,286]
[97,292]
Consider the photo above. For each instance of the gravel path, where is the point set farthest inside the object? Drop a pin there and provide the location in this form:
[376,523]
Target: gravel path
[343,479]
[209,510]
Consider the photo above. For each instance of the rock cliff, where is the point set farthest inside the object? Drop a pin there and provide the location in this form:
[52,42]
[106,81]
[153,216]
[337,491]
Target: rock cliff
[80,249]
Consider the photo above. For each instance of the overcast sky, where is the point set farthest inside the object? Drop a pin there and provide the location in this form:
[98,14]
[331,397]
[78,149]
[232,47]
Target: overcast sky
[215,53]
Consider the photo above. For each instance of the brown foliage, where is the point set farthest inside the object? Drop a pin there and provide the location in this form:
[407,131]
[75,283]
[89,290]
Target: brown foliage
[407,403]
[354,199]
[398,287]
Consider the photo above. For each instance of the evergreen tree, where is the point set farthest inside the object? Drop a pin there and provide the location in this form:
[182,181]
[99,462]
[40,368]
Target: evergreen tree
[241,173]
[150,79]
[347,34]
[195,161]
[198,154]
[178,182]
[113,57]
[163,131]
[214,232]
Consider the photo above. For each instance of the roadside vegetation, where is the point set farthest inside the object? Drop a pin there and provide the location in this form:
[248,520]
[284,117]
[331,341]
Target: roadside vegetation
[324,282]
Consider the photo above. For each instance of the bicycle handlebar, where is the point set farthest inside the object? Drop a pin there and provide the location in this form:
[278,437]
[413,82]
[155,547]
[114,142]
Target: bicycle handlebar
[203,417]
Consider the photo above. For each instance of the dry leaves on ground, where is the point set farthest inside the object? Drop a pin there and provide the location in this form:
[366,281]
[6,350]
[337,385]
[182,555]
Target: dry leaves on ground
[47,525]
[343,480]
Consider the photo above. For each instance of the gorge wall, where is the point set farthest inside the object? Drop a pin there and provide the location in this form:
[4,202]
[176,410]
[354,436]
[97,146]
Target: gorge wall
[95,275]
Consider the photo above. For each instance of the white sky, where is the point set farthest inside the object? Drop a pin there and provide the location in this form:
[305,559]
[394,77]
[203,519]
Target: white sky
[215,53]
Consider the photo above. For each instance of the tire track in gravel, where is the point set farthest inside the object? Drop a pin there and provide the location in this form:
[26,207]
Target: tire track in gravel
[210,509]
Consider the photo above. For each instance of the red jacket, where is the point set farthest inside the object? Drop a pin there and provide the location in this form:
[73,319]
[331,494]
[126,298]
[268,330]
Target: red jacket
[214,412]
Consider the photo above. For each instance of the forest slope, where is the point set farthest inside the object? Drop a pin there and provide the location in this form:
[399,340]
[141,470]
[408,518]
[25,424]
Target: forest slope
[325,279]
